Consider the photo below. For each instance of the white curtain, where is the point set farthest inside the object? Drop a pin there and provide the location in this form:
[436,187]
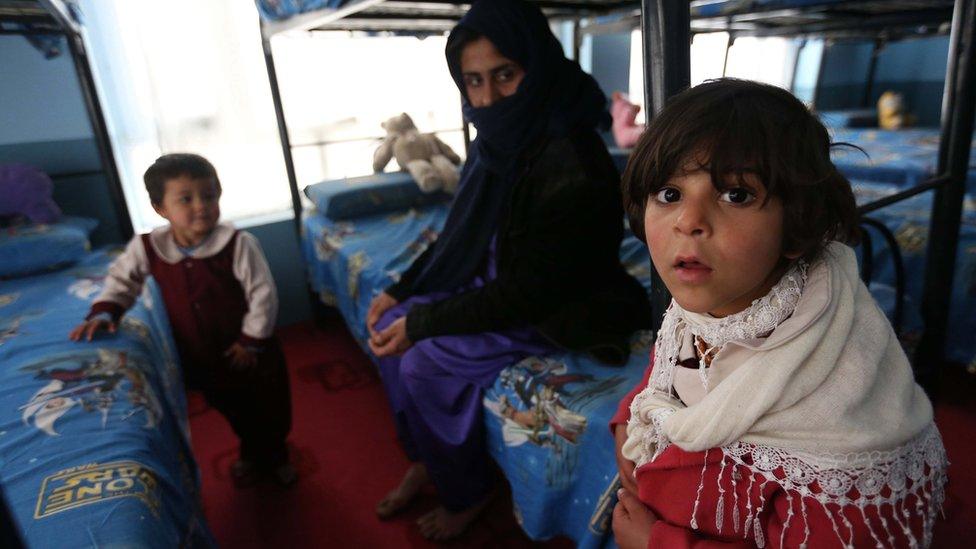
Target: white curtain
[188,76]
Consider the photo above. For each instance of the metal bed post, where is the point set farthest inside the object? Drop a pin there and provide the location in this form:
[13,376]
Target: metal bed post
[296,200]
[959,107]
[666,31]
[86,81]
[729,40]
[872,69]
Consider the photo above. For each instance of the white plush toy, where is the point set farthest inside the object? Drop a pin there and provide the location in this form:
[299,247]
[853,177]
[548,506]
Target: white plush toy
[431,162]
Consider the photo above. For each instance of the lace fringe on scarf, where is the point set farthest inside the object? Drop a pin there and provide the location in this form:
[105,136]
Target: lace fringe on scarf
[899,485]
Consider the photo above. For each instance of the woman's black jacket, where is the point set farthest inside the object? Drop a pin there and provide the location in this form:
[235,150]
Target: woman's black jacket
[557,260]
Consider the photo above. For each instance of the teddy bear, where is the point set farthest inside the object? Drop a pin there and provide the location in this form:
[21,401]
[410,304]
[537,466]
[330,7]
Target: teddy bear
[26,193]
[892,112]
[626,131]
[431,162]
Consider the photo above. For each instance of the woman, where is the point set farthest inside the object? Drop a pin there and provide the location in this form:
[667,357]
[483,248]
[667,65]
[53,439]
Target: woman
[527,262]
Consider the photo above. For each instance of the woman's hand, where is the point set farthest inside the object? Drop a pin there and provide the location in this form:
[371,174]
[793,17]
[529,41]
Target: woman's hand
[391,341]
[625,467]
[632,521]
[380,304]
[87,329]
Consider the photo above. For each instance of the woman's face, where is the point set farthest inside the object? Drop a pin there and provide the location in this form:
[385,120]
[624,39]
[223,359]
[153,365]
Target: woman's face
[488,75]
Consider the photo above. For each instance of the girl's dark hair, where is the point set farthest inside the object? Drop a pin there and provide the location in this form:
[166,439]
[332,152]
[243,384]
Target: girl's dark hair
[738,127]
[172,166]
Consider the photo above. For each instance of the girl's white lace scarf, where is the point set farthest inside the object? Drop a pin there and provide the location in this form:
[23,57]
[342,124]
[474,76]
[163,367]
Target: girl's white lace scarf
[826,406]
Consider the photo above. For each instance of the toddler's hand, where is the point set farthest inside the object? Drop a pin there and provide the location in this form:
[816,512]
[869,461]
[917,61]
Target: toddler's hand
[240,357]
[87,329]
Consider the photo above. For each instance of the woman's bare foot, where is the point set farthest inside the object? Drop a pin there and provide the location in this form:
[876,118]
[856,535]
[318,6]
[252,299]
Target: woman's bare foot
[442,525]
[394,502]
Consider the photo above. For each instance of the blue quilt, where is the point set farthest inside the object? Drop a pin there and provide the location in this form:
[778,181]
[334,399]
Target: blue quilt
[94,447]
[909,221]
[559,457]
[900,157]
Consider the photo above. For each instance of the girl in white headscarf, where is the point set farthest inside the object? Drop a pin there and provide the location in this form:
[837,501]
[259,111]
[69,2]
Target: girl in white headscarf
[779,408]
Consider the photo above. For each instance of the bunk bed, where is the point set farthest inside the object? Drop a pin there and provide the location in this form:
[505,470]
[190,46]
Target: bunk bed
[888,162]
[94,440]
[349,260]
[59,19]
[933,235]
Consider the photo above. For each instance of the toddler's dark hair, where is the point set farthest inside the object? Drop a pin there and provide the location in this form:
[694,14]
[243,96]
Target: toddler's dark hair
[738,127]
[172,166]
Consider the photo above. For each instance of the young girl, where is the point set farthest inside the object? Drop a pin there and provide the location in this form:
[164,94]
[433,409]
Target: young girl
[778,409]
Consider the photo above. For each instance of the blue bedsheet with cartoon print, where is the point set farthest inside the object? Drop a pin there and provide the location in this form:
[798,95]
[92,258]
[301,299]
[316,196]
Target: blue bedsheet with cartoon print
[894,160]
[546,416]
[909,223]
[898,157]
[94,447]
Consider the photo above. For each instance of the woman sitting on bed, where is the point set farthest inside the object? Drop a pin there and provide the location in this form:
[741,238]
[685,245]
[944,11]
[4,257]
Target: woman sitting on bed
[527,263]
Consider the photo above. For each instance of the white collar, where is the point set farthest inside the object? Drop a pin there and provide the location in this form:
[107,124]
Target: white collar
[169,251]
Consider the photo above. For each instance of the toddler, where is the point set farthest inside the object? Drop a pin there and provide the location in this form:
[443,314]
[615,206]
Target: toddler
[222,304]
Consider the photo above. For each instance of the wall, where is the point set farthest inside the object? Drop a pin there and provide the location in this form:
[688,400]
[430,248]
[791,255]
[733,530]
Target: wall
[280,244]
[43,122]
[610,61]
[915,68]
[844,70]
[607,58]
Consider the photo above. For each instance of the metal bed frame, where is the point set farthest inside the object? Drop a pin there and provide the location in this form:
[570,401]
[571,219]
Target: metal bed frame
[668,26]
[55,17]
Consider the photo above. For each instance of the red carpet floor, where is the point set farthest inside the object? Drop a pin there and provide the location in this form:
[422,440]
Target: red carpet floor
[344,447]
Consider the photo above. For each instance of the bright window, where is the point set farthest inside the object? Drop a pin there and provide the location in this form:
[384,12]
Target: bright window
[769,60]
[188,76]
[338,87]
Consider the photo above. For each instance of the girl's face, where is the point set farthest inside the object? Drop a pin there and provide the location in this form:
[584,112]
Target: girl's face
[716,250]
[192,208]
[488,75]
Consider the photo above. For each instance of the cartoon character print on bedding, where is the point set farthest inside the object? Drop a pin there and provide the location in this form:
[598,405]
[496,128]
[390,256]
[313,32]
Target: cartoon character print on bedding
[91,382]
[13,326]
[331,239]
[543,404]
[7,299]
[87,285]
[357,264]
[411,252]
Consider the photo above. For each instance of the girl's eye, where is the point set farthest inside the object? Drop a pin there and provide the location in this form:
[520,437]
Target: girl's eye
[668,195]
[738,195]
[184,200]
[472,81]
[505,75]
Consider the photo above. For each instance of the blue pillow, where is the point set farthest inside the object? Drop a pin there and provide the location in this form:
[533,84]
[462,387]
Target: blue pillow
[341,199]
[35,248]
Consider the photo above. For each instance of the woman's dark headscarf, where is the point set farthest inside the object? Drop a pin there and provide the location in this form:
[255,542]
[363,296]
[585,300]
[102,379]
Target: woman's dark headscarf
[554,98]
